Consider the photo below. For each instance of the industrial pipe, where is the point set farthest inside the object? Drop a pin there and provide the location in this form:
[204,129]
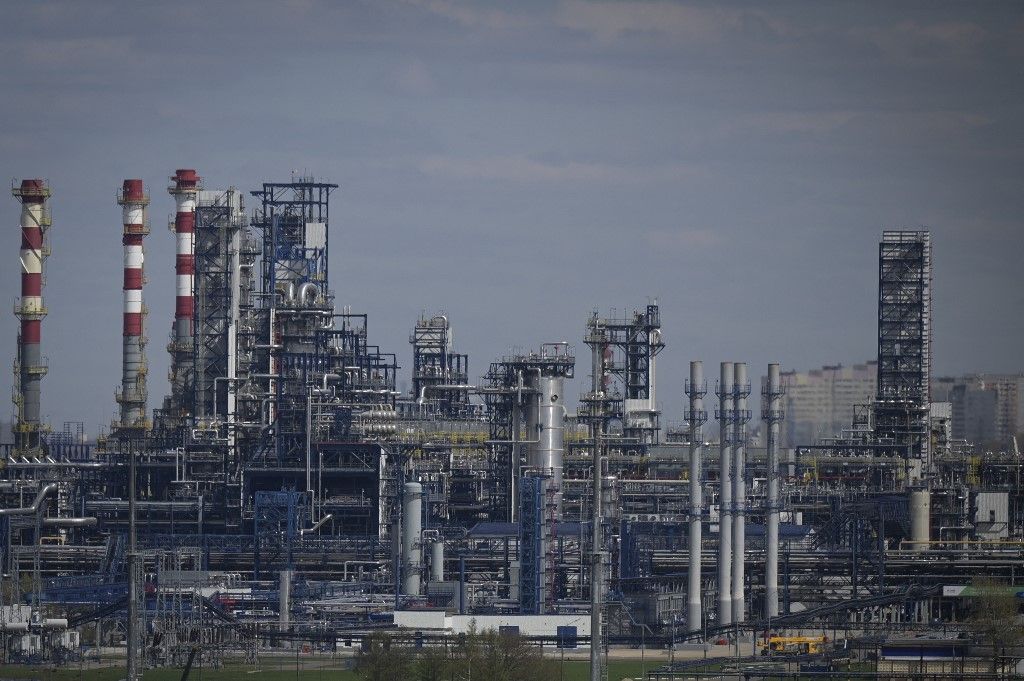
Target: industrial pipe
[316,526]
[28,510]
[69,522]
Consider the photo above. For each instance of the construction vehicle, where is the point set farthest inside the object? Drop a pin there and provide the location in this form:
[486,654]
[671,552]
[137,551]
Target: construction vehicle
[792,645]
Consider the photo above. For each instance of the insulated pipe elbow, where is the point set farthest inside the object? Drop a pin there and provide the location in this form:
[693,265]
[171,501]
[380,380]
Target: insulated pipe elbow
[304,292]
[49,487]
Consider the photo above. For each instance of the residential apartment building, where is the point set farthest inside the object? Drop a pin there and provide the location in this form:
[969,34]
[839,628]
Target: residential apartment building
[820,403]
[988,409]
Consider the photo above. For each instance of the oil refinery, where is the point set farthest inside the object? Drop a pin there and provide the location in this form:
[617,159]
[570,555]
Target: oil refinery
[286,495]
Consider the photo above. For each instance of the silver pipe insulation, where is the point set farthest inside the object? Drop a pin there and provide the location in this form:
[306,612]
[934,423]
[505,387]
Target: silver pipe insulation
[28,510]
[739,495]
[725,413]
[316,526]
[69,522]
[696,416]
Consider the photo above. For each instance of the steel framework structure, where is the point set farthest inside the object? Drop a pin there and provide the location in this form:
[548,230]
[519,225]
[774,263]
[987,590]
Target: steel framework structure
[904,341]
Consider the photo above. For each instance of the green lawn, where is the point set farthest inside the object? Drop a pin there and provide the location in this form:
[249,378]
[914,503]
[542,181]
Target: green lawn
[277,670]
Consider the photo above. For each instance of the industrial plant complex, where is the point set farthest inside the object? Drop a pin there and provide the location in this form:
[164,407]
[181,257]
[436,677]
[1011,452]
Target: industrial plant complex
[285,494]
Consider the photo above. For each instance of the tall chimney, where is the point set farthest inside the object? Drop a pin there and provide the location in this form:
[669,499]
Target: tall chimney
[29,367]
[725,418]
[696,388]
[772,414]
[741,390]
[132,396]
[184,191]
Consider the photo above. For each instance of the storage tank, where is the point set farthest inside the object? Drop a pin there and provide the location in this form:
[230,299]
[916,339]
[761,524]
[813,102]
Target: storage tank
[920,519]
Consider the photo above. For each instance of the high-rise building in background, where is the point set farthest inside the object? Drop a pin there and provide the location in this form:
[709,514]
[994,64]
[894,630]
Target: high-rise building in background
[987,408]
[820,403]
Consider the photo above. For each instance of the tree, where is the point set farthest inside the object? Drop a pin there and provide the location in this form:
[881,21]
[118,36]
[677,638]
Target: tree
[380,660]
[433,664]
[495,656]
[995,617]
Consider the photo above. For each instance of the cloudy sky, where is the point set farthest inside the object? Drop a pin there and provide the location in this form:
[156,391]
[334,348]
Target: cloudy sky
[517,165]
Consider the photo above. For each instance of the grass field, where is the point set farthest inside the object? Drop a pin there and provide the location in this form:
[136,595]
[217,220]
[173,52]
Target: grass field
[274,670]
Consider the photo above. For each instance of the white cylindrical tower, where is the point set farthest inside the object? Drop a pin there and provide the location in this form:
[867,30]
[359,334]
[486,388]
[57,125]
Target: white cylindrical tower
[725,418]
[695,389]
[412,550]
[741,390]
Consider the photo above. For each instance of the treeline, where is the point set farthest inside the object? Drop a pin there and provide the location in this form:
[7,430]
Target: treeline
[484,655]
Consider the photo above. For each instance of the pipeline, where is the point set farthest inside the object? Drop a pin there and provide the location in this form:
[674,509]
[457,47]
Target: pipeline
[28,510]
[69,522]
[316,526]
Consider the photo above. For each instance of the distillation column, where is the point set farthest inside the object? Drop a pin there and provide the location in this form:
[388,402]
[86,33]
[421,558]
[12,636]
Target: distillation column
[29,369]
[696,416]
[725,415]
[184,191]
[132,396]
[741,390]
[546,454]
[772,414]
[412,523]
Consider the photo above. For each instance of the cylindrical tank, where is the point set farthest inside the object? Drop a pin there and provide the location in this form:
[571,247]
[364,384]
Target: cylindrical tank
[725,417]
[920,519]
[284,606]
[437,561]
[412,524]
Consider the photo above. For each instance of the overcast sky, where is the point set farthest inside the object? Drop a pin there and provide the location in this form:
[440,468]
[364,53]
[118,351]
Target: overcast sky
[517,165]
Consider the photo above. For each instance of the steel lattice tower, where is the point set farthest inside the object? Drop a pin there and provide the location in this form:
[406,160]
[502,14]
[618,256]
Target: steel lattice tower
[904,341]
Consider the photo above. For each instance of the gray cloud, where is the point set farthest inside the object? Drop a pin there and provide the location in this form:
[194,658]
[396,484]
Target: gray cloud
[519,165]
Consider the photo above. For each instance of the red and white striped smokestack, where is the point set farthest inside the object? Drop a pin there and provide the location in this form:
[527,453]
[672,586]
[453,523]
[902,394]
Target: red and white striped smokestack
[35,220]
[184,191]
[186,186]
[132,396]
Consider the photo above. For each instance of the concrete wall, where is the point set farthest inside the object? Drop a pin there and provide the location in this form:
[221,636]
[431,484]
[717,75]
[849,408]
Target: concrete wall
[529,625]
